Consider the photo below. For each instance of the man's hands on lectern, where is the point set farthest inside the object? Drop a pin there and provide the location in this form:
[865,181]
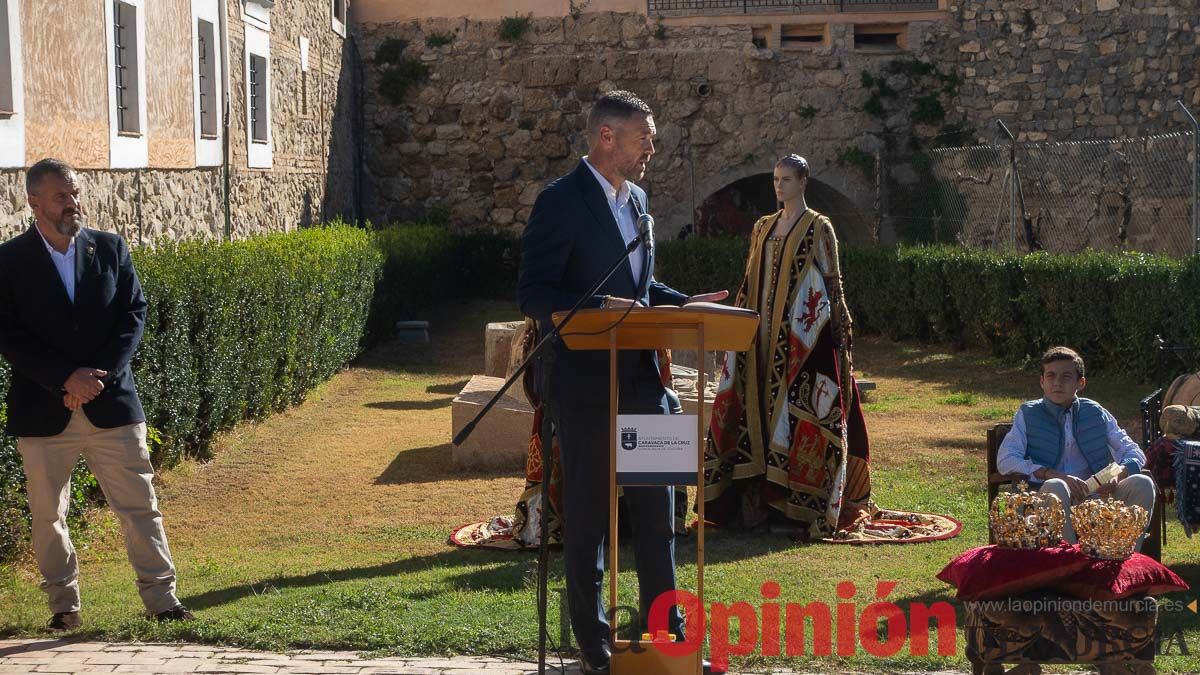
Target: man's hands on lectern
[613,302]
[715,296]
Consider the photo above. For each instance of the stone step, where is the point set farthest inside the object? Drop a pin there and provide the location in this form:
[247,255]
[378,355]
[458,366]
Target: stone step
[501,439]
[498,347]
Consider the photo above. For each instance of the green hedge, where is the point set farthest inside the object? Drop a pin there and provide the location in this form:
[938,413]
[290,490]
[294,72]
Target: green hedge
[234,331]
[425,264]
[1108,305]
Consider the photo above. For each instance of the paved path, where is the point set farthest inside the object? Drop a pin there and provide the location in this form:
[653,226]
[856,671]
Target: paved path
[67,657]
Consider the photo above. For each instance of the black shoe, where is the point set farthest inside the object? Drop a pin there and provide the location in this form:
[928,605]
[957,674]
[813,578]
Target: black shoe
[176,613]
[595,662]
[65,621]
[710,669]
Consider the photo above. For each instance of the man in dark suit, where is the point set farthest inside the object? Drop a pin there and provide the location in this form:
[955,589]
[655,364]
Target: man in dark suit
[71,316]
[580,224]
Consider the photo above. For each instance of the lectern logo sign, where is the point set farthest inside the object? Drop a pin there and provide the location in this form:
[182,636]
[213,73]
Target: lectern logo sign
[629,439]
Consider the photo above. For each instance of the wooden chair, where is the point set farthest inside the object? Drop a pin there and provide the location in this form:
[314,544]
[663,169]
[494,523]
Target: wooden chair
[1152,546]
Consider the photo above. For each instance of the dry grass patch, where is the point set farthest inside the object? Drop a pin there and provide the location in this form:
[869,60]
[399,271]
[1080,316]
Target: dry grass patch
[325,526]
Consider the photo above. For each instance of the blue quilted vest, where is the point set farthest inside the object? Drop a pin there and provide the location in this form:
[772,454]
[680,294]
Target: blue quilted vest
[1044,432]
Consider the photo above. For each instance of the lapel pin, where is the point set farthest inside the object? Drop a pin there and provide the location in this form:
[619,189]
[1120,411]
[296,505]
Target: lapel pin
[91,249]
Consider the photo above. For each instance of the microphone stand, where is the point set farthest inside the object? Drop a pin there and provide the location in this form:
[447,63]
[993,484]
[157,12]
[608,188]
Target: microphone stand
[545,352]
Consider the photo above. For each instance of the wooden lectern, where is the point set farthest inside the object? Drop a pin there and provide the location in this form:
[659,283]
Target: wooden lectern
[701,327]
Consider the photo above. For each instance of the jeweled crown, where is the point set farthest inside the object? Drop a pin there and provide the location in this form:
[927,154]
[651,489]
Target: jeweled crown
[1107,528]
[1024,519]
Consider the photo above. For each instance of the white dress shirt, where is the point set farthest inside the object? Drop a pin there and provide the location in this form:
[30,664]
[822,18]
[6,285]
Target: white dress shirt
[1011,456]
[65,264]
[622,211]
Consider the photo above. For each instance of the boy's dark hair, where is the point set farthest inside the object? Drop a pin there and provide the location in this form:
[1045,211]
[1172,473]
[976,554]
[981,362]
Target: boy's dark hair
[47,167]
[615,106]
[1063,354]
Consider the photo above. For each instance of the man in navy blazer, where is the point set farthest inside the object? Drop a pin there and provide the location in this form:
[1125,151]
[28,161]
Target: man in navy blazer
[71,316]
[581,224]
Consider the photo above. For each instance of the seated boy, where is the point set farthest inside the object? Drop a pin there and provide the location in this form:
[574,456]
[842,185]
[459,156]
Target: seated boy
[1059,441]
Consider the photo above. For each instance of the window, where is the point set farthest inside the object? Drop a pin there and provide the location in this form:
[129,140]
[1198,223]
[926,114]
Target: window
[126,66]
[209,96]
[125,59]
[259,108]
[207,54]
[802,36]
[12,95]
[760,36]
[303,75]
[339,17]
[304,93]
[257,101]
[880,37]
[7,106]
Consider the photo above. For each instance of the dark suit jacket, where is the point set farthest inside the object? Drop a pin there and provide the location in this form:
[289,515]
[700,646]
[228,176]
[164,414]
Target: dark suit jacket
[571,239]
[45,337]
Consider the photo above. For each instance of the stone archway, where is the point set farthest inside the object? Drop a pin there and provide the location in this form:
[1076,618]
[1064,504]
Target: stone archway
[734,208]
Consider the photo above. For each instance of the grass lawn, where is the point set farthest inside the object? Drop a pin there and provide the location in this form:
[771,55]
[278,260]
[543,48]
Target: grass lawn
[326,526]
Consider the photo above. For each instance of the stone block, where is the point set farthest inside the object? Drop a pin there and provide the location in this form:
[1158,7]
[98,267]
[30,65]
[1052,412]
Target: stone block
[689,400]
[501,439]
[412,332]
[497,346]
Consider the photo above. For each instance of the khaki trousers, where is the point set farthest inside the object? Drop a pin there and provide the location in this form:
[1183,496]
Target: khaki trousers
[1135,490]
[120,461]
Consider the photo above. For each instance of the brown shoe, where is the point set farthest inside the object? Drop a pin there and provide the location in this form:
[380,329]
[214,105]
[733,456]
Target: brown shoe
[62,621]
[176,613]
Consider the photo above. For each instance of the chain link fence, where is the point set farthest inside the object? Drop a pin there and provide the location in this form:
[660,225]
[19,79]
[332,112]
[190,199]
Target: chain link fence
[1121,194]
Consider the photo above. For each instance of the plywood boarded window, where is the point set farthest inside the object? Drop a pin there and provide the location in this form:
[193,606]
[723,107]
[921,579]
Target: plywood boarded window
[207,48]
[126,67]
[6,75]
[804,36]
[259,106]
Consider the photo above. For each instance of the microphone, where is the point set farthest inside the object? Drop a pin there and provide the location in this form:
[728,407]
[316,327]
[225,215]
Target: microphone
[645,225]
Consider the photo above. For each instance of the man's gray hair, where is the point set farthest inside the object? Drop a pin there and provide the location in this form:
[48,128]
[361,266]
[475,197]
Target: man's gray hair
[615,106]
[47,167]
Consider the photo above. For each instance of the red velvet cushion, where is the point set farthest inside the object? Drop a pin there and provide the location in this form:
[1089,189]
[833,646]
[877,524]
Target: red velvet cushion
[990,572]
[1116,579]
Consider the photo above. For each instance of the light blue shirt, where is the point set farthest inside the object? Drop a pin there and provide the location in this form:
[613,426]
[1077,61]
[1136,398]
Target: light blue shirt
[1010,458]
[618,203]
[65,264]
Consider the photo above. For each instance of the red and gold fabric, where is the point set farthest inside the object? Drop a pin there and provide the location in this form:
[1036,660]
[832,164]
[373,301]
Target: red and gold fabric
[787,432]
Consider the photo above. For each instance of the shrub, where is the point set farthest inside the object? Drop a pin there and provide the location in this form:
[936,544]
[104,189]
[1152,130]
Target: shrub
[390,51]
[513,28]
[234,331]
[434,40]
[1108,305]
[425,263]
[396,80]
[702,265]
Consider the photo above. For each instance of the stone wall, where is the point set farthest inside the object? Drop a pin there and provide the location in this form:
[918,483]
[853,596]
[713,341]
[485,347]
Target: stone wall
[1074,69]
[151,205]
[312,118]
[1078,70]
[496,120]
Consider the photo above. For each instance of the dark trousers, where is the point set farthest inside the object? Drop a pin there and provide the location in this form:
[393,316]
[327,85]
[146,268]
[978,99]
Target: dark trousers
[584,434]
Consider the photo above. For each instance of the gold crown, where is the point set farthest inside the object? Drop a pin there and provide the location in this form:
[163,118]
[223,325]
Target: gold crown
[1024,519]
[1108,528]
